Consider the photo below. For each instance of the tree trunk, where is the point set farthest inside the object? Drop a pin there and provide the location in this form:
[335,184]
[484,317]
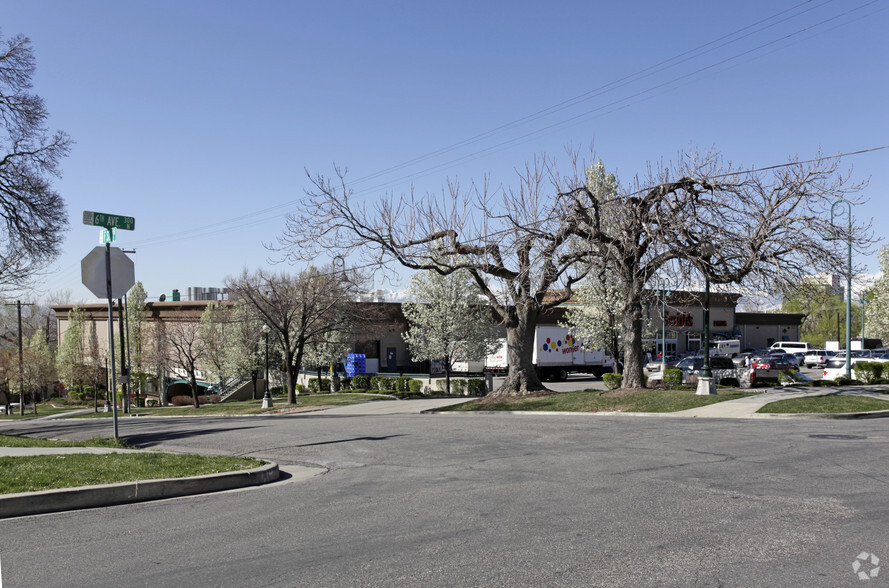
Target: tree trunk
[448,380]
[522,378]
[194,389]
[291,379]
[631,330]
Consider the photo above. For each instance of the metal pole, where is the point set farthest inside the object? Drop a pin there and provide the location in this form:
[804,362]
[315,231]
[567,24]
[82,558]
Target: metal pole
[863,303]
[663,332]
[849,305]
[705,380]
[267,397]
[124,372]
[18,303]
[835,234]
[706,373]
[113,391]
[126,305]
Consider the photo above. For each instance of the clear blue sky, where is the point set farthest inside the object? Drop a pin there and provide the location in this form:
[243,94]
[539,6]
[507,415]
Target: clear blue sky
[198,118]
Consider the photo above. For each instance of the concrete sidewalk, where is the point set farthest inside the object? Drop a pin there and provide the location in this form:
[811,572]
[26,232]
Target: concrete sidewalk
[745,408]
[381,407]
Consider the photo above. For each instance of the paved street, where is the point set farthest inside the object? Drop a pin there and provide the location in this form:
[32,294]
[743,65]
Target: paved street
[483,500]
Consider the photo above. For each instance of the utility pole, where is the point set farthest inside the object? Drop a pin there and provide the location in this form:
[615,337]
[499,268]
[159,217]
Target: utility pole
[124,372]
[18,305]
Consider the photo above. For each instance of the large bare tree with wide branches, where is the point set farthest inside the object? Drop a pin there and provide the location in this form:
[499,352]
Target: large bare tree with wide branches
[301,311]
[702,217]
[527,247]
[32,213]
[515,243]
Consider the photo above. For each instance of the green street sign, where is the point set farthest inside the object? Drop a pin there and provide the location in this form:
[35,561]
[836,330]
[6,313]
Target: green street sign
[108,236]
[109,221]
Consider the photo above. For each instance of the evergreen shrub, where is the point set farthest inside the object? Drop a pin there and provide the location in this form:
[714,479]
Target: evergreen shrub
[612,381]
[476,387]
[361,382]
[672,378]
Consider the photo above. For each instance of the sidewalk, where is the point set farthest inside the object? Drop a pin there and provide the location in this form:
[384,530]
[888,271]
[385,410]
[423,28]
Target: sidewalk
[745,408]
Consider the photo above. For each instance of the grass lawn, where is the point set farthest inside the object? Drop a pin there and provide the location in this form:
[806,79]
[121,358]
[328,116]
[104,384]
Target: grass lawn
[43,409]
[45,472]
[14,441]
[833,403]
[247,407]
[652,400]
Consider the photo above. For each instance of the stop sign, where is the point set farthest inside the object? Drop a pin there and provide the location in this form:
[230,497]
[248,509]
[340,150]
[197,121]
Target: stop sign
[92,272]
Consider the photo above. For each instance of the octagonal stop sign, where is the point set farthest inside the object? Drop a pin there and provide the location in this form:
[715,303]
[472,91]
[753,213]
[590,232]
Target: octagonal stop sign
[92,272]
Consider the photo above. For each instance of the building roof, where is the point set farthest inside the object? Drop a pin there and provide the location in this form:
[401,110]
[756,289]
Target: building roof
[768,318]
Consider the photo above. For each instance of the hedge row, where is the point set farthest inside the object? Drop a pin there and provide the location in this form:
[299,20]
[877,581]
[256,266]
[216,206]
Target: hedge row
[398,386]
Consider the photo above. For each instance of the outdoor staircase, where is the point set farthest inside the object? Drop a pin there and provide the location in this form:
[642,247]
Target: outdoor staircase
[231,387]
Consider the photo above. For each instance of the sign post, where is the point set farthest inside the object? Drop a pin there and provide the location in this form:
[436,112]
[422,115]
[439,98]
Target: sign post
[125,277]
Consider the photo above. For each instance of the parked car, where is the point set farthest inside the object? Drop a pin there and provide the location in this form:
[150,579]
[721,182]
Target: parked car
[723,369]
[836,368]
[774,362]
[816,358]
[791,346]
[655,364]
[741,359]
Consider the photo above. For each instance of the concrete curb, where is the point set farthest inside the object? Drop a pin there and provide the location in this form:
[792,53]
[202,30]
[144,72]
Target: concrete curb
[875,414]
[64,499]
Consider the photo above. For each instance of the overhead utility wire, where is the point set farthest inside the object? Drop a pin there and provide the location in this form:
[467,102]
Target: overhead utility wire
[640,191]
[194,233]
[223,225]
[575,118]
[620,82]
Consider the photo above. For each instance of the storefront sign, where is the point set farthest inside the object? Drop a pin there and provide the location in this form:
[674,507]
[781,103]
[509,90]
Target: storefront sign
[680,320]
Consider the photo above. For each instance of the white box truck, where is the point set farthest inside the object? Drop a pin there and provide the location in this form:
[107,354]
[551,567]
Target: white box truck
[557,353]
[725,348]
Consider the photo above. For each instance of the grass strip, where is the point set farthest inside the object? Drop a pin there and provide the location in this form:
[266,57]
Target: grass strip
[596,401]
[45,472]
[832,403]
[14,441]
[43,409]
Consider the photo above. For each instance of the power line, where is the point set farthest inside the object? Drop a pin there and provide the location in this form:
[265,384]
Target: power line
[710,46]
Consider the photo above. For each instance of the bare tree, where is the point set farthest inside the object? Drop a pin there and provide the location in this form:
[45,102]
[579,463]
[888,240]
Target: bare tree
[300,310]
[157,356]
[186,349]
[707,220]
[516,244]
[701,216]
[32,212]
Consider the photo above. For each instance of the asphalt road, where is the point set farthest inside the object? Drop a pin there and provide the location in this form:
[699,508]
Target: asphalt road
[485,500]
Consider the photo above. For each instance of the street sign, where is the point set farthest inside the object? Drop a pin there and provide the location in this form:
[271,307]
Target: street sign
[109,221]
[92,272]
[108,236]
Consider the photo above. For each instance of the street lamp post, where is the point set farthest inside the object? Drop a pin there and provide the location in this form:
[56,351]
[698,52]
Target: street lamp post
[663,292]
[863,303]
[706,387]
[837,213]
[267,397]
